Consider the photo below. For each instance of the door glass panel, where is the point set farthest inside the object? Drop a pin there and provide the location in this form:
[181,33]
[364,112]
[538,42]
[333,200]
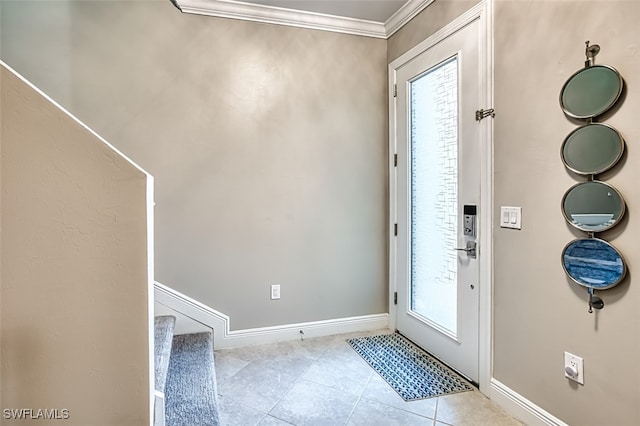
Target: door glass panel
[434,195]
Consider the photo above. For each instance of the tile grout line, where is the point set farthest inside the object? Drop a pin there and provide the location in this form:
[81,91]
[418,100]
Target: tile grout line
[295,382]
[353,409]
[264,415]
[315,355]
[298,379]
[219,382]
[301,377]
[267,413]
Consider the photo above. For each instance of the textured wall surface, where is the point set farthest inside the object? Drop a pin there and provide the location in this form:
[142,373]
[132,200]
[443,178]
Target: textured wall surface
[267,144]
[74,317]
[539,313]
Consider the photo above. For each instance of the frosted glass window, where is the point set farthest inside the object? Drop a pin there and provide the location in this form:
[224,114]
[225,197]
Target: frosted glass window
[434,194]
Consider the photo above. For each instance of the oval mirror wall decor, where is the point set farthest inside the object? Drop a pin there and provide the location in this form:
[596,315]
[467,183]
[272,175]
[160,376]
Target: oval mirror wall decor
[589,150]
[593,206]
[593,263]
[591,92]
[592,149]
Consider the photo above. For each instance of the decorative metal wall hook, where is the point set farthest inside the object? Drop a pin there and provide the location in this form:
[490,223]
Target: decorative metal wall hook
[590,52]
[594,301]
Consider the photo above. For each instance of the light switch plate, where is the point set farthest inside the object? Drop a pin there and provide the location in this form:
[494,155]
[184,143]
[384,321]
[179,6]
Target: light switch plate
[511,217]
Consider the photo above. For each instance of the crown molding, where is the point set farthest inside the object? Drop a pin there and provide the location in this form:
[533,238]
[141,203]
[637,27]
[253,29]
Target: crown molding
[281,16]
[296,18]
[404,15]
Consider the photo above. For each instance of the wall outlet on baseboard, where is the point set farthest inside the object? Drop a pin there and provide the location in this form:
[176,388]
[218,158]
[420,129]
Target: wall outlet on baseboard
[275,291]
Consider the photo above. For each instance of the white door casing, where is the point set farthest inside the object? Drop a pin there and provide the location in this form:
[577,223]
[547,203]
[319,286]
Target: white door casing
[468,40]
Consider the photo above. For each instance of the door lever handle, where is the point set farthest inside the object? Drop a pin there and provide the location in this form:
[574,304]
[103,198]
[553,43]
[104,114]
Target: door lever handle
[470,249]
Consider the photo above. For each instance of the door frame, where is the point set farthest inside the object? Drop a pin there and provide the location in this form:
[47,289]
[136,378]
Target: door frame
[483,12]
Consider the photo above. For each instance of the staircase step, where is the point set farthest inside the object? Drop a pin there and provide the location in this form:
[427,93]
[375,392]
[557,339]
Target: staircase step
[163,339]
[191,395]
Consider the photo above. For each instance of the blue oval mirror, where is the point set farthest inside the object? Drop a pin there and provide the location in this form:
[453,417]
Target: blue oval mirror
[593,263]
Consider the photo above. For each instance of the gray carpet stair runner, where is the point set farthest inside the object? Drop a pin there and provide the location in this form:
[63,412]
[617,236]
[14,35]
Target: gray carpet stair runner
[163,337]
[190,381]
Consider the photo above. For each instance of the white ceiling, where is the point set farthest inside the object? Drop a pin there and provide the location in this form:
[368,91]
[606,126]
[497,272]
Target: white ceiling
[368,10]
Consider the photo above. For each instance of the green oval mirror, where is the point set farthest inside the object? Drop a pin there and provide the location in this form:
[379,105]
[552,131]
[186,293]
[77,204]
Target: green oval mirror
[592,149]
[593,263]
[591,91]
[593,206]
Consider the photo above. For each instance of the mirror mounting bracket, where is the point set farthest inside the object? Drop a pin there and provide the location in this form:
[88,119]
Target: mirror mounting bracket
[590,52]
[594,301]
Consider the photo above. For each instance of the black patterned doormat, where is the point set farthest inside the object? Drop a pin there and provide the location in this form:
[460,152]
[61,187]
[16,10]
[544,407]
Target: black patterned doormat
[410,371]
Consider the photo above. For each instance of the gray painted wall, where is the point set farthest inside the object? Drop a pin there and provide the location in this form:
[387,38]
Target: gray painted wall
[538,312]
[75,285]
[430,20]
[268,145]
[179,99]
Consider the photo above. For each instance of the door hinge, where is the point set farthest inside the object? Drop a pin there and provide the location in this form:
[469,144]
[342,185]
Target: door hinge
[395,160]
[395,229]
[484,113]
[395,90]
[395,298]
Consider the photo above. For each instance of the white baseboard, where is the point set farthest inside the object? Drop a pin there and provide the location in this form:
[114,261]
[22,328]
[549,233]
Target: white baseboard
[184,324]
[520,407]
[223,337]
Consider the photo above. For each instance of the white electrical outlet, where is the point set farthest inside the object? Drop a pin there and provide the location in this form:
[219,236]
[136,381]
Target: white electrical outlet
[574,368]
[275,291]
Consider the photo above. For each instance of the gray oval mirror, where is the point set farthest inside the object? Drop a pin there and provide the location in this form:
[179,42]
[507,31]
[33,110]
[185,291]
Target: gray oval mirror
[593,263]
[593,206]
[592,149]
[591,91]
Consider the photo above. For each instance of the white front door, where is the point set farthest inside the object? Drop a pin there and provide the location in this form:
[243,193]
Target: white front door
[438,181]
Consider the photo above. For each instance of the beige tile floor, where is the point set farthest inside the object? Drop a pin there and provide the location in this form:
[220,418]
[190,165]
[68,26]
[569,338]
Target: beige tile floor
[323,381]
